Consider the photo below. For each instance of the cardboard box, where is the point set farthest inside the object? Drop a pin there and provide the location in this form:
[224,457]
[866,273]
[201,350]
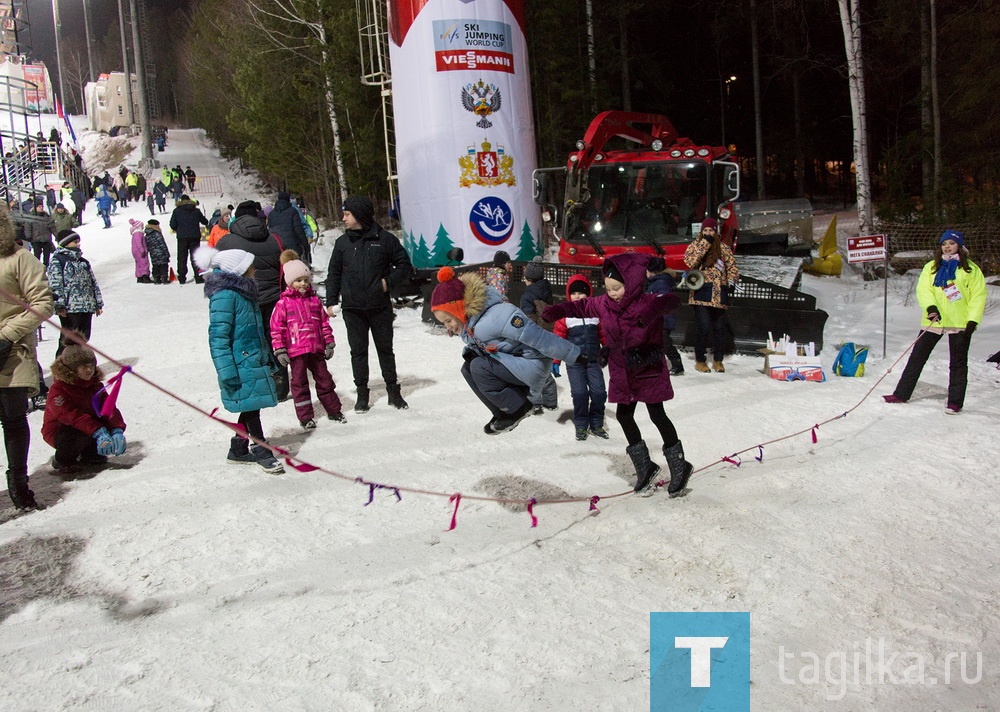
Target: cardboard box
[783,367]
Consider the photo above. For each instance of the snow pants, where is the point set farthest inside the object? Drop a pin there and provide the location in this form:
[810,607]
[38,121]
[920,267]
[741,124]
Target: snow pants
[499,389]
[73,445]
[315,364]
[958,368]
[586,385]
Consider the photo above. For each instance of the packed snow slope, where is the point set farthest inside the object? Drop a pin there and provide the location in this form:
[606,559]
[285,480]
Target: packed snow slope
[172,581]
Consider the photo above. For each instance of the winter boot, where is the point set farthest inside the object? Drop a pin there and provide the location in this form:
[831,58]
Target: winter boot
[395,397]
[267,462]
[702,367]
[680,469]
[645,470]
[362,405]
[239,452]
[718,367]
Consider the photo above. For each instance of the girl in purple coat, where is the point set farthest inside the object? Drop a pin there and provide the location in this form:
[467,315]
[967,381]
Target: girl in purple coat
[633,329]
[139,252]
[302,337]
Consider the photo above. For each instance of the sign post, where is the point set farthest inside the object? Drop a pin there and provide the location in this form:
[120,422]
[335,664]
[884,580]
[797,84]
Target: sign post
[872,248]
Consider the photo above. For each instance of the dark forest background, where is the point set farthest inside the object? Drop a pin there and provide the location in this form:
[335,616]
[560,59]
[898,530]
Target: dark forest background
[258,85]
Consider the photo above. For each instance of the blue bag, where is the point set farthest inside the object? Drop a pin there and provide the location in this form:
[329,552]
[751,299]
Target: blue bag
[850,360]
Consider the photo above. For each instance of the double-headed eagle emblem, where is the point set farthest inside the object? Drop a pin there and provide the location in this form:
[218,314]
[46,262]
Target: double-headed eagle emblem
[482,100]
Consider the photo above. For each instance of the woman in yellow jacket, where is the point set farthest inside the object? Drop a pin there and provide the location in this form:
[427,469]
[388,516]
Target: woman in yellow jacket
[952,292]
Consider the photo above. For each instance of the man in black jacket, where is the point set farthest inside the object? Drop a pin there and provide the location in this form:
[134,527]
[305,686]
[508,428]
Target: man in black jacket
[248,232]
[186,221]
[366,264]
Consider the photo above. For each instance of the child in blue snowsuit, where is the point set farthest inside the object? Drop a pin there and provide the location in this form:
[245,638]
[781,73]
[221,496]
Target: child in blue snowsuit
[104,203]
[586,380]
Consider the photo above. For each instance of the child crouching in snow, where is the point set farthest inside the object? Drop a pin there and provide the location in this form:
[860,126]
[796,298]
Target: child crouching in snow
[72,423]
[302,337]
[239,349]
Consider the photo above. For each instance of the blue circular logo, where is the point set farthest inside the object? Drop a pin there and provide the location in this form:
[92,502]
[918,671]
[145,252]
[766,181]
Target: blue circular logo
[491,221]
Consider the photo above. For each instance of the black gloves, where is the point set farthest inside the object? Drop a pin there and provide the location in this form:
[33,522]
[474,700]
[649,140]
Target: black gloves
[5,347]
[970,328]
[468,355]
[933,314]
[582,360]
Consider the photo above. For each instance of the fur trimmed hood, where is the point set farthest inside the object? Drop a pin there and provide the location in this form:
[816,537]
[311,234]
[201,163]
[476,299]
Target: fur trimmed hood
[67,374]
[8,233]
[217,280]
[475,293]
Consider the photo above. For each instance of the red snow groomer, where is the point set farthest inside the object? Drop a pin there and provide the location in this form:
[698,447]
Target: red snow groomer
[635,185]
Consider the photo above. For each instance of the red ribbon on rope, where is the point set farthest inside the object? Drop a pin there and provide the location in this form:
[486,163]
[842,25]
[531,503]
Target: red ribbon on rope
[457,499]
[107,408]
[239,429]
[593,504]
[731,461]
[531,512]
[814,429]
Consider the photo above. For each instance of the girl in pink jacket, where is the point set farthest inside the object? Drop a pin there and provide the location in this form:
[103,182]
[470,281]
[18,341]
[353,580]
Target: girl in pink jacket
[139,252]
[302,337]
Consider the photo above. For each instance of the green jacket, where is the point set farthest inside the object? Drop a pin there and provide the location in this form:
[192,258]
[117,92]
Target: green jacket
[958,313]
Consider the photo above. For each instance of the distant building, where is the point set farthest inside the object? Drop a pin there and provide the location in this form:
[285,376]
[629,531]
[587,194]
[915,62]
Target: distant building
[29,84]
[106,102]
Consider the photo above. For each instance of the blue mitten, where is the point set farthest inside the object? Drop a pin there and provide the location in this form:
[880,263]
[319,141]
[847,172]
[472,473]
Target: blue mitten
[555,370]
[119,439]
[105,445]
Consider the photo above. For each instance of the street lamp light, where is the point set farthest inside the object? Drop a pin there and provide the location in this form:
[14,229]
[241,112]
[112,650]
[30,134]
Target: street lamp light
[724,83]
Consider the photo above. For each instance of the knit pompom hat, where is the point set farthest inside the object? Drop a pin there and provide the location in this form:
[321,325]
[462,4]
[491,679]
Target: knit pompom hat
[232,261]
[534,270]
[294,268]
[449,295]
[136,224]
[66,236]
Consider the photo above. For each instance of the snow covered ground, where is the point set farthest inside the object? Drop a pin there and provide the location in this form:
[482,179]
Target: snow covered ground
[171,581]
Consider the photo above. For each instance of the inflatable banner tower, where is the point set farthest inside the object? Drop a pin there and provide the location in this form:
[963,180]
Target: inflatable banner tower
[465,140]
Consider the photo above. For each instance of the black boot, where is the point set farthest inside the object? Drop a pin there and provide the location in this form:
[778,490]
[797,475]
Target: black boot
[362,404]
[645,469]
[395,397]
[680,469]
[239,452]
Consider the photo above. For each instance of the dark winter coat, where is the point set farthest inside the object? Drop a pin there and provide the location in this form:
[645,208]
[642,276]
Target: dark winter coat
[38,231]
[285,222]
[73,282]
[535,298]
[664,284]
[585,332]
[633,330]
[61,221]
[156,246]
[160,193]
[238,343]
[186,219]
[70,403]
[249,233]
[361,259]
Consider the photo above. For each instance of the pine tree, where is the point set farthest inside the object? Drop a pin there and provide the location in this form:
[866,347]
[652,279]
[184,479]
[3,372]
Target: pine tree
[528,248]
[441,247]
[421,255]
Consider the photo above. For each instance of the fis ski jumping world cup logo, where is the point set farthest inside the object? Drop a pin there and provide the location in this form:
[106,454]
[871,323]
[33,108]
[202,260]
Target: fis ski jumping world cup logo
[464,44]
[491,221]
[699,662]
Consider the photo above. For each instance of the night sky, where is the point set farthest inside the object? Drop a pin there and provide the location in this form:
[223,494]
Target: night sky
[103,13]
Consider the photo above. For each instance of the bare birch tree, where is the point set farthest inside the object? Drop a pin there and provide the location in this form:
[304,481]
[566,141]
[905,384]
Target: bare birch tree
[270,17]
[850,19]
